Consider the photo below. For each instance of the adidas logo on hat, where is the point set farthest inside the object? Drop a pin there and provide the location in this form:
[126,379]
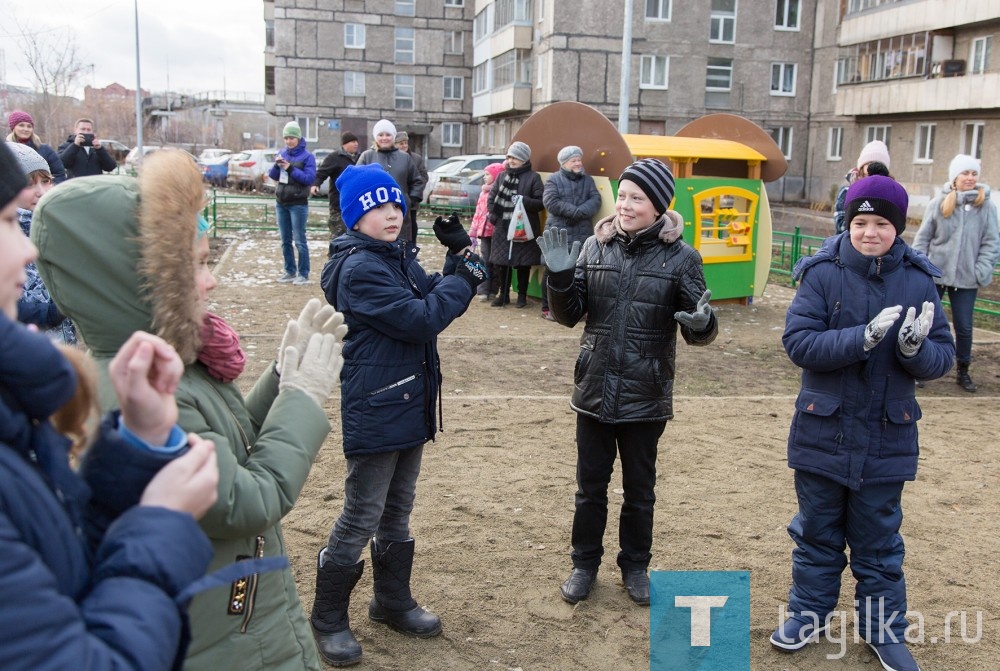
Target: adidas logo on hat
[865,207]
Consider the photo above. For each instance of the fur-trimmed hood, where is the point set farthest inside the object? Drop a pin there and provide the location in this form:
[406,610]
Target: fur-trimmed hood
[117,254]
[673,226]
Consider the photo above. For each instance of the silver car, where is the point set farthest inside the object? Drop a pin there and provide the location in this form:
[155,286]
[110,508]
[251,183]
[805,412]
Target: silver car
[248,168]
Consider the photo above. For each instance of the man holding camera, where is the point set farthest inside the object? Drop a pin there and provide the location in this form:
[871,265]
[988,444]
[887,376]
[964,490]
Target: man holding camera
[83,155]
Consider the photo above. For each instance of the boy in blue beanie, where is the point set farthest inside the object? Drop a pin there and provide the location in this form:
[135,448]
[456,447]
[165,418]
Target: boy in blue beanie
[390,384]
[853,439]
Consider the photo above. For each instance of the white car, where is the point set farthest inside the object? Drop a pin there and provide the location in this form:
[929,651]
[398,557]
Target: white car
[466,164]
[247,169]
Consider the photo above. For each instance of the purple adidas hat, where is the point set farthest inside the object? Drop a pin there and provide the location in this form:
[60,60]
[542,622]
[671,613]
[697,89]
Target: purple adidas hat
[879,195]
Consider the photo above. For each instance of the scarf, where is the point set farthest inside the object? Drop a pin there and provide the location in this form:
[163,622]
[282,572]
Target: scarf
[503,204]
[220,349]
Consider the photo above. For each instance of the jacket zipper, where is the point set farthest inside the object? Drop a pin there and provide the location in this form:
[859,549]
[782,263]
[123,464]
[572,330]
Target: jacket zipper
[252,588]
[393,385]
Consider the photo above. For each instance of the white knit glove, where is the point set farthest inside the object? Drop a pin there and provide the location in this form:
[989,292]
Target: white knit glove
[312,319]
[915,329]
[316,371]
[878,327]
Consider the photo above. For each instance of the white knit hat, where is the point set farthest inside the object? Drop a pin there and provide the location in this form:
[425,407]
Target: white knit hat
[384,126]
[960,164]
[874,151]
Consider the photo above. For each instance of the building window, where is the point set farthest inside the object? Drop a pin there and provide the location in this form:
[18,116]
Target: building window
[481,78]
[843,72]
[269,32]
[512,67]
[980,57]
[722,25]
[403,89]
[511,11]
[539,70]
[454,42]
[782,136]
[972,138]
[654,72]
[453,88]
[404,45]
[481,24]
[786,14]
[451,134]
[888,58]
[405,8]
[658,10]
[309,126]
[924,150]
[873,133]
[835,144]
[719,76]
[354,36]
[782,79]
[354,84]
[454,3]
[269,80]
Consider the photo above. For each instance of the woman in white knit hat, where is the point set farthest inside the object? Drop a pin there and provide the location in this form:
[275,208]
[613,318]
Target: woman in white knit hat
[395,162]
[959,234]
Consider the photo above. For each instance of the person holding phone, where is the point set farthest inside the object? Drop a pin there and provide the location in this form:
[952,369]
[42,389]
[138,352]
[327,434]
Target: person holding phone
[82,153]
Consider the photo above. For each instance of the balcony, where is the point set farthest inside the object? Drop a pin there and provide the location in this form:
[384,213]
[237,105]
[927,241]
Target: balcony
[917,95]
[502,101]
[903,18]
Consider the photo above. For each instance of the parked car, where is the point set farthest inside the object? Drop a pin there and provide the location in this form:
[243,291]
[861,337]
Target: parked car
[247,169]
[467,164]
[215,169]
[456,192]
[213,152]
[118,150]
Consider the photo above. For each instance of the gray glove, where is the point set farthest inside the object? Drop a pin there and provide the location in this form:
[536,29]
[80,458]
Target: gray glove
[915,329]
[557,257]
[312,319]
[702,315]
[316,371]
[878,327]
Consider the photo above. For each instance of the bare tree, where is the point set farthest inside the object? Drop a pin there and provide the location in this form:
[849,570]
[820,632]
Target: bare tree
[56,69]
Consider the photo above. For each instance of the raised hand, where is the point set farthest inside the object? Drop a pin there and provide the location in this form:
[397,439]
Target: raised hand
[702,315]
[452,234]
[915,329]
[145,373]
[472,269]
[557,256]
[312,319]
[316,369]
[878,327]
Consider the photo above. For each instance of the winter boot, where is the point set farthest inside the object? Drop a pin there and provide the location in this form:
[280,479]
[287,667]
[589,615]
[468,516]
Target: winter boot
[963,379]
[329,619]
[392,563]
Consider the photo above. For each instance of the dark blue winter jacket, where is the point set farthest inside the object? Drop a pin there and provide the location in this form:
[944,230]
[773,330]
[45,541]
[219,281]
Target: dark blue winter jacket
[394,312]
[301,173]
[87,581]
[856,414]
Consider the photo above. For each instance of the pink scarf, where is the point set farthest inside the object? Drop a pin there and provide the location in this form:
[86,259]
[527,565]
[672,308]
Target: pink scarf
[220,349]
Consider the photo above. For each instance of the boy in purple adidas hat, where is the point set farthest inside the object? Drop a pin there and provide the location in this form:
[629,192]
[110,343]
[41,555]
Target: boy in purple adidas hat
[865,324]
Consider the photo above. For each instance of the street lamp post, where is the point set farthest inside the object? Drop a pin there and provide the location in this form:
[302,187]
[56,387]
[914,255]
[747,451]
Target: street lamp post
[625,92]
[138,87]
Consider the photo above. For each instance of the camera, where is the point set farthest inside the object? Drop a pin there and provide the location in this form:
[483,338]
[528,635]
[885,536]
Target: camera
[88,139]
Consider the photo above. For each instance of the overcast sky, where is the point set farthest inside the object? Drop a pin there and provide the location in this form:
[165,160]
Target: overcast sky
[195,45]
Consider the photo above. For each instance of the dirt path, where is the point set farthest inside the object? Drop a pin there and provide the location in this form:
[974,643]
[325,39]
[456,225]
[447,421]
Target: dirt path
[495,499]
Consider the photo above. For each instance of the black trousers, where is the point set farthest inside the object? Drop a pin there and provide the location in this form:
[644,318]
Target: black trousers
[597,444]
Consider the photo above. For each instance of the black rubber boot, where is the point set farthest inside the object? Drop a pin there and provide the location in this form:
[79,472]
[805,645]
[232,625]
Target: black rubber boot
[963,379]
[393,604]
[330,624]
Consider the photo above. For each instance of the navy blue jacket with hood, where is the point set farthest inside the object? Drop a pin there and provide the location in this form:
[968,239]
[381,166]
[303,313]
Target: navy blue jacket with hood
[856,414]
[394,312]
[88,579]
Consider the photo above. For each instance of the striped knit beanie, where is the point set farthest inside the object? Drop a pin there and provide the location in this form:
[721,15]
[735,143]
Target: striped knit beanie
[655,180]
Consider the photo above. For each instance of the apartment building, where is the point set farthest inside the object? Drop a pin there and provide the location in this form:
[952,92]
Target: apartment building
[822,76]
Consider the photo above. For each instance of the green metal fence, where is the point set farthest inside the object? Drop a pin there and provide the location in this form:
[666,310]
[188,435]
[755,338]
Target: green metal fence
[788,248]
[229,211]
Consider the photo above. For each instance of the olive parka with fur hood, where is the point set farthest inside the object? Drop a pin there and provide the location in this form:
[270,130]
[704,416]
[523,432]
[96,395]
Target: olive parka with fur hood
[117,254]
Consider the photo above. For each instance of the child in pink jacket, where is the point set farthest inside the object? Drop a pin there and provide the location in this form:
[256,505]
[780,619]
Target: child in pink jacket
[481,230]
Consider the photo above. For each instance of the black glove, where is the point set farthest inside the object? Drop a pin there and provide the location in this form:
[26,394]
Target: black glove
[452,234]
[472,269]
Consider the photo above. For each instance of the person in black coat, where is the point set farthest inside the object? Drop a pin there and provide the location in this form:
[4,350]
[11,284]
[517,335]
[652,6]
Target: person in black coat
[82,153]
[330,168]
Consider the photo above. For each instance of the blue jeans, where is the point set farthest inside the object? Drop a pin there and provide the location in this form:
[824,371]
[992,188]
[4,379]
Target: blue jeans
[378,497]
[292,226]
[962,301]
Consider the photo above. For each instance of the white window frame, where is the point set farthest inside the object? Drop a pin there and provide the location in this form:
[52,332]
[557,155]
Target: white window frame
[648,72]
[662,10]
[405,8]
[454,41]
[718,21]
[449,130]
[482,25]
[782,14]
[878,132]
[310,127]
[979,54]
[399,87]
[454,3]
[972,138]
[781,69]
[400,53]
[923,143]
[782,136]
[835,144]
[449,84]
[539,70]
[719,68]
[354,36]
[481,77]
[354,84]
